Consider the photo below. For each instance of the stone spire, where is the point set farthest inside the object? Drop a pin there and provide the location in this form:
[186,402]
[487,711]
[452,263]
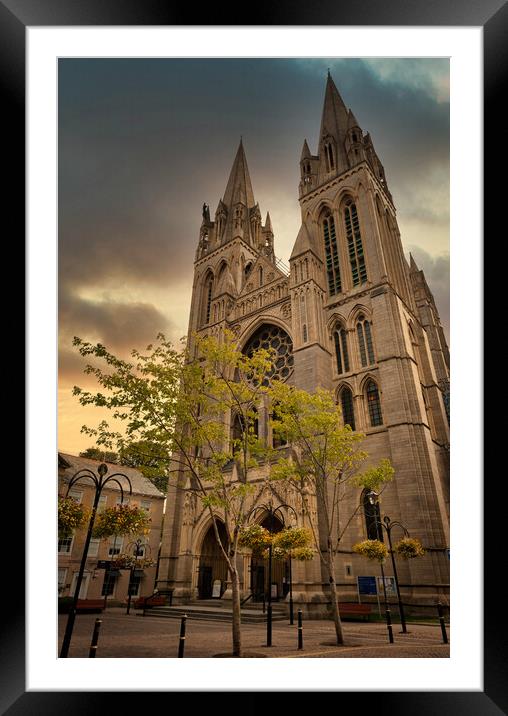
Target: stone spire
[268,223]
[412,264]
[305,151]
[334,120]
[333,132]
[239,187]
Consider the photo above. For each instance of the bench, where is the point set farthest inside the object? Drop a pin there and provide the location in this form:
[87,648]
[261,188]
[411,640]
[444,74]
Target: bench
[354,610]
[146,602]
[90,605]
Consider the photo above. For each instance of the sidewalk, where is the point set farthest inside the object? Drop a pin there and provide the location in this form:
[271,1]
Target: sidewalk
[129,636]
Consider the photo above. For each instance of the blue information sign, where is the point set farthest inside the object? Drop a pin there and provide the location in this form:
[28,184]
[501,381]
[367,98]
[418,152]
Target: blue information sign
[367,586]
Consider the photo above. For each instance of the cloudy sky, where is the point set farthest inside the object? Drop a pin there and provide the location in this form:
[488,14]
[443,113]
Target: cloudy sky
[143,143]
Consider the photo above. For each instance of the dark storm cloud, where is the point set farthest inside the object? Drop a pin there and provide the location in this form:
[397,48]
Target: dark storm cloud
[143,143]
[120,326]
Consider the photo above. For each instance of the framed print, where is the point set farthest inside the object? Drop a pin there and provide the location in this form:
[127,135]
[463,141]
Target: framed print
[48,49]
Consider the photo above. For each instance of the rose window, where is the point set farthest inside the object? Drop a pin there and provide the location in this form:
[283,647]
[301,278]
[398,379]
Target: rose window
[278,340]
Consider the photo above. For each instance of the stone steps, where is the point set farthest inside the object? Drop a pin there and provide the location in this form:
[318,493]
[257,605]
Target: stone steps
[204,610]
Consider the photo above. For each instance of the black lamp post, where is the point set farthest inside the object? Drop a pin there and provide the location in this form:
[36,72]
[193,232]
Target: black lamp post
[271,510]
[99,481]
[388,524]
[372,496]
[138,545]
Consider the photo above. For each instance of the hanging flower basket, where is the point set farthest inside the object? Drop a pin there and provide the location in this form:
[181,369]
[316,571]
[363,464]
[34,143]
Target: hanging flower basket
[121,520]
[71,516]
[292,538]
[129,561]
[256,537]
[409,548]
[303,554]
[372,549]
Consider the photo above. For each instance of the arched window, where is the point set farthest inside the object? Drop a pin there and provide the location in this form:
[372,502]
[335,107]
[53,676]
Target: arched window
[247,270]
[372,518]
[330,162]
[208,288]
[346,404]
[269,336]
[260,275]
[331,255]
[354,245]
[341,351]
[365,345]
[374,404]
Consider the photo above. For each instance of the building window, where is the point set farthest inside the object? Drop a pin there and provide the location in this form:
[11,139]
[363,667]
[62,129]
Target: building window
[372,518]
[101,506]
[207,299]
[108,586]
[134,585]
[341,351]
[260,275]
[62,573]
[65,545]
[115,546]
[374,404]
[346,404]
[305,336]
[146,505]
[76,495]
[270,336]
[331,255]
[355,246]
[365,345]
[93,548]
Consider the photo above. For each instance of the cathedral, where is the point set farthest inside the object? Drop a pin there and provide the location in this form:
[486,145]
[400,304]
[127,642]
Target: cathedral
[352,315]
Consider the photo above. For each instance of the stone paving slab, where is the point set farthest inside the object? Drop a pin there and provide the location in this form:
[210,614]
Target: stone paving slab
[135,636]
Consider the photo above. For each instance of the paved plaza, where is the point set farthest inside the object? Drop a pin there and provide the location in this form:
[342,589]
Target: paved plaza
[137,636]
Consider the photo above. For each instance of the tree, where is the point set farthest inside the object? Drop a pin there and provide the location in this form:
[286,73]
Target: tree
[146,458]
[95,453]
[179,402]
[324,464]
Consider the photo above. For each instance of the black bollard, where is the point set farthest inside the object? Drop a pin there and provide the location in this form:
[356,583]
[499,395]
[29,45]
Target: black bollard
[389,626]
[300,630]
[181,643]
[269,626]
[442,622]
[95,639]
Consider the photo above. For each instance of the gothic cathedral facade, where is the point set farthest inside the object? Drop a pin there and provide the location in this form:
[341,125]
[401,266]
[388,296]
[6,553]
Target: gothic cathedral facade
[351,315]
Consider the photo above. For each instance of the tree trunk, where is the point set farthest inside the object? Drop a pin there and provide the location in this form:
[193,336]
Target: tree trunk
[237,635]
[333,597]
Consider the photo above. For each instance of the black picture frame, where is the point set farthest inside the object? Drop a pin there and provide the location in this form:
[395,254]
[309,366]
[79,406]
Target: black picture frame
[15,17]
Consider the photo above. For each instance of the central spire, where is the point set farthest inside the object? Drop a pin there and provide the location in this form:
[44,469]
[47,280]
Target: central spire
[334,120]
[239,187]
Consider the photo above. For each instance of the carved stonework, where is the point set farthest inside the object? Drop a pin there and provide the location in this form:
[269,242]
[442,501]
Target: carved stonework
[236,329]
[286,310]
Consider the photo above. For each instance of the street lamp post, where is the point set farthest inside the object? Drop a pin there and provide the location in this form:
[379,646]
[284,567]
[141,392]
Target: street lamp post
[138,544]
[388,525]
[269,508]
[99,481]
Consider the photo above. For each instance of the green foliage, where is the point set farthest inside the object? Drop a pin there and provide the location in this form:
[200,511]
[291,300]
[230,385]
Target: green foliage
[95,453]
[372,549]
[71,516]
[409,548]
[149,459]
[121,520]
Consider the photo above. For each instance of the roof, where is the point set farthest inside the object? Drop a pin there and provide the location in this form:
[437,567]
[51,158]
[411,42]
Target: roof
[141,485]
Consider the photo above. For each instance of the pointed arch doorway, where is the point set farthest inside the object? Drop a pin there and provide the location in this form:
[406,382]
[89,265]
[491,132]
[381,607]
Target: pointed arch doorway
[259,569]
[212,567]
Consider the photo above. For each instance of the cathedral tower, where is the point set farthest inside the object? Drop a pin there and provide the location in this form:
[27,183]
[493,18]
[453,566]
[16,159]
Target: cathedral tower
[351,315]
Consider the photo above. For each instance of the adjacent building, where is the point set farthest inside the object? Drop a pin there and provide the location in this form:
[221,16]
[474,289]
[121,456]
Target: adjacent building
[102,578]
